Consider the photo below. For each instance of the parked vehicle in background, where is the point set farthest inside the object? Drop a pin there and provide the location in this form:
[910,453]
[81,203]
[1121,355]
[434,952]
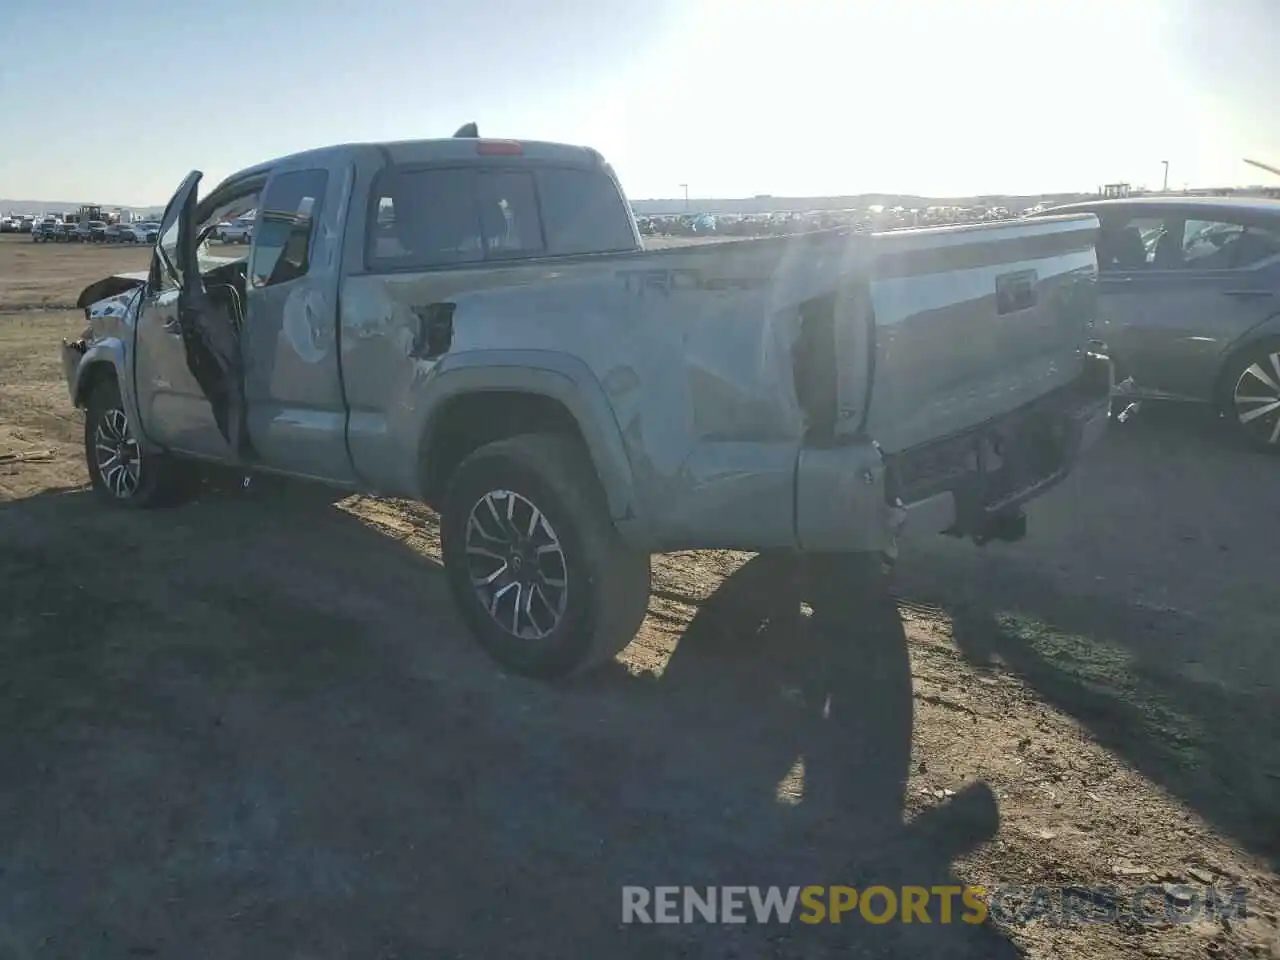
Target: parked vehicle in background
[9,225]
[1190,304]
[53,231]
[118,233]
[239,230]
[93,231]
[145,231]
[572,403]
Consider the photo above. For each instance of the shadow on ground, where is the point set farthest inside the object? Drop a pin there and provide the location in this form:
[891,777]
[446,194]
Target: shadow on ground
[251,725]
[1166,652]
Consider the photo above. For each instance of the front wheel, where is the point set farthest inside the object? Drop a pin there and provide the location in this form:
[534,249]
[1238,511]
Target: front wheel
[118,469]
[540,574]
[1250,395]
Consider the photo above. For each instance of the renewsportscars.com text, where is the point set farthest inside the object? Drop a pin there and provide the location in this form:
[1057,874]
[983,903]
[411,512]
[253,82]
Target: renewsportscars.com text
[935,904]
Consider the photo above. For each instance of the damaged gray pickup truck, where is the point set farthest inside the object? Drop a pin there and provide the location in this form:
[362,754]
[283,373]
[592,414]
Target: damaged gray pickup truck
[475,324]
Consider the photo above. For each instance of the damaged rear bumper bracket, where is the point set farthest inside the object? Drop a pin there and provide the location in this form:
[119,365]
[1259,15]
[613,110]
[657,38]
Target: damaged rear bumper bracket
[986,474]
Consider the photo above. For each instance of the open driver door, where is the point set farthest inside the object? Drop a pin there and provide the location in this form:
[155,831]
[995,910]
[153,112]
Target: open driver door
[207,325]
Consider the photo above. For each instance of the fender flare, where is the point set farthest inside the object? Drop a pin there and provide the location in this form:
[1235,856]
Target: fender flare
[104,353]
[557,376]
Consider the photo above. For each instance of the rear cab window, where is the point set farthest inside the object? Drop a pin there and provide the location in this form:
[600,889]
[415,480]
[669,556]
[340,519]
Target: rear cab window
[442,216]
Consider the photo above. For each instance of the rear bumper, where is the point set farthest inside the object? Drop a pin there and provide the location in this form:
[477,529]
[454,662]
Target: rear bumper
[852,498]
[990,471]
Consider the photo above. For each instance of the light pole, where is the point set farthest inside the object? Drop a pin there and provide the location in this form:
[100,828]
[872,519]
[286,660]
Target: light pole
[1166,175]
[685,187]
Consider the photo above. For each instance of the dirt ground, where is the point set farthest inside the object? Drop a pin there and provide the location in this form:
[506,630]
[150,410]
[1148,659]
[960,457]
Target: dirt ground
[251,725]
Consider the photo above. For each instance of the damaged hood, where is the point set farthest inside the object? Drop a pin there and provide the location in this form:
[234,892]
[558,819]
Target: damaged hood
[111,286]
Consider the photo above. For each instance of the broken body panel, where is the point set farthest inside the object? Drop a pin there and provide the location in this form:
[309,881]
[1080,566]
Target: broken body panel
[751,394]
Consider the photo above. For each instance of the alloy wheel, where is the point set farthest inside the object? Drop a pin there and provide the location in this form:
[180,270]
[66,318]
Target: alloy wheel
[117,455]
[517,564]
[1256,398]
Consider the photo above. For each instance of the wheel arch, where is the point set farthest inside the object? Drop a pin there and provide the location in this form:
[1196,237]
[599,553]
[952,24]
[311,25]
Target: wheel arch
[479,401]
[1265,332]
[106,358]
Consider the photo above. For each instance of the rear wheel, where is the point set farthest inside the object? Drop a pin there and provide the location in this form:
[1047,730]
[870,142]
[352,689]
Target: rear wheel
[118,468]
[542,577]
[1250,395]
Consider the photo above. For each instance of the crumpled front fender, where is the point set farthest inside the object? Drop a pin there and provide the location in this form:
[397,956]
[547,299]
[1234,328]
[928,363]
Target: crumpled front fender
[84,361]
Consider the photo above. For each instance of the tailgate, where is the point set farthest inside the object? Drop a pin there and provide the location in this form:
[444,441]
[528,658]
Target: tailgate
[973,322]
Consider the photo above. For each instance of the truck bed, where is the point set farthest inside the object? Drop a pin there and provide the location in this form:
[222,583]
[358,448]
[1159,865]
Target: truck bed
[949,325]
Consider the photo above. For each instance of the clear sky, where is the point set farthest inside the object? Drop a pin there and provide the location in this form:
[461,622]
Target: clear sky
[114,101]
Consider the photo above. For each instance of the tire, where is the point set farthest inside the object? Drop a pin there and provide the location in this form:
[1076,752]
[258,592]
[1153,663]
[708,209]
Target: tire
[1249,395]
[105,420]
[606,583]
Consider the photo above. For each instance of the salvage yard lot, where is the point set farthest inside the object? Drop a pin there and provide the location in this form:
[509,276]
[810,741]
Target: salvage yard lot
[253,723]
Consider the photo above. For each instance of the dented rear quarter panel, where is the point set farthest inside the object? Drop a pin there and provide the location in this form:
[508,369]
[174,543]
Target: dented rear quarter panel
[677,365]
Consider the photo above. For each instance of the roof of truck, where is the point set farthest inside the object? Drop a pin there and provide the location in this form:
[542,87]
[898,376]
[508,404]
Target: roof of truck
[443,148]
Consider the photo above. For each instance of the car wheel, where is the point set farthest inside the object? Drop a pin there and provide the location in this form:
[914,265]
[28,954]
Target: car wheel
[118,469]
[540,574]
[1250,395]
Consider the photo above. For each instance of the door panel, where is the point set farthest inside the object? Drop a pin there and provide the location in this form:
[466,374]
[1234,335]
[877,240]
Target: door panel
[1169,320]
[172,404]
[293,387]
[171,400]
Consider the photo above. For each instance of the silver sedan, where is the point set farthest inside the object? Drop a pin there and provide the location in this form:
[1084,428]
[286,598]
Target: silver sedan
[1190,303]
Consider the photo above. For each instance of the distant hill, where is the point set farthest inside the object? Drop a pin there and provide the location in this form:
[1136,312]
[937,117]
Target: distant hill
[8,206]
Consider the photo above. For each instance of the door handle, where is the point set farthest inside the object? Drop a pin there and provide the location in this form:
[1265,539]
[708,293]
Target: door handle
[1248,294]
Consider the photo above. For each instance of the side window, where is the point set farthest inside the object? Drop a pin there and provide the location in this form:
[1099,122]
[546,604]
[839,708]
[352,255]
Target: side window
[583,212]
[1258,245]
[286,224]
[1130,243]
[1210,244]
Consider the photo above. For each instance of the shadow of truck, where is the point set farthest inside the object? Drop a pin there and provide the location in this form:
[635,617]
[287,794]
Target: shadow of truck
[255,723]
